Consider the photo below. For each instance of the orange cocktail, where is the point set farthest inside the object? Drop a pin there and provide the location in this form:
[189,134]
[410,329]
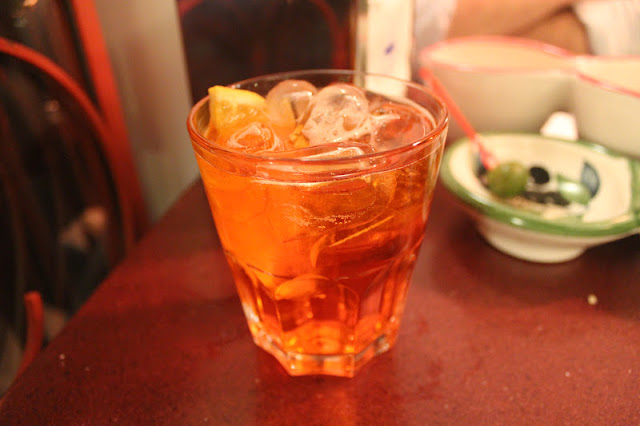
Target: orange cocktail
[320,191]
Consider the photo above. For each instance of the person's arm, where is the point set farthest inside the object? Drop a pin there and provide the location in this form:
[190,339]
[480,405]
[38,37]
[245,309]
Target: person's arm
[549,21]
[563,29]
[506,17]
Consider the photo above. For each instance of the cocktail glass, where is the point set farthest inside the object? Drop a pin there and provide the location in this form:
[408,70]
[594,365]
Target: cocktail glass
[322,242]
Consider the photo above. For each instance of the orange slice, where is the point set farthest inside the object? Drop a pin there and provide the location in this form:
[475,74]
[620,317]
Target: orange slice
[232,109]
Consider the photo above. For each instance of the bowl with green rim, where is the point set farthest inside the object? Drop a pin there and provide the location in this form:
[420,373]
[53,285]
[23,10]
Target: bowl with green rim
[577,195]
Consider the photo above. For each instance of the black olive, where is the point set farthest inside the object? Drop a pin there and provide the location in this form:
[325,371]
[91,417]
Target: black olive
[548,197]
[539,175]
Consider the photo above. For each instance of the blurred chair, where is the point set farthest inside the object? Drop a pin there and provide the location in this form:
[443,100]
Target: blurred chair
[70,201]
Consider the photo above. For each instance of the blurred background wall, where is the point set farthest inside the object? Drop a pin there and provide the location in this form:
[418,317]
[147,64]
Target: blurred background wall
[144,42]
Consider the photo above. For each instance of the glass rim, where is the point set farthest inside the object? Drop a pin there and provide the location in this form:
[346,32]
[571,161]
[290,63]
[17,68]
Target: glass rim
[428,138]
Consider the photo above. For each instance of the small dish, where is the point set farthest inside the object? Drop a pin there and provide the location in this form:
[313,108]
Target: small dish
[591,196]
[606,102]
[502,84]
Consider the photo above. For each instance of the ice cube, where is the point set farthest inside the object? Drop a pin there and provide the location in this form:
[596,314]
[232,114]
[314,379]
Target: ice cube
[338,113]
[288,100]
[337,151]
[395,125]
[329,151]
[311,297]
[254,138]
[324,154]
[343,203]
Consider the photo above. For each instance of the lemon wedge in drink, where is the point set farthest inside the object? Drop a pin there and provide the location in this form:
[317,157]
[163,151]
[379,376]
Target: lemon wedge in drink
[231,109]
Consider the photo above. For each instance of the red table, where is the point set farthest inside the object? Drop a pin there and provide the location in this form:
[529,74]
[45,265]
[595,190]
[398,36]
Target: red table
[486,339]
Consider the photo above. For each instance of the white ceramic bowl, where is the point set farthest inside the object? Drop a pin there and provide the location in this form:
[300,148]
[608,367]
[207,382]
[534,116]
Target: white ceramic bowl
[548,232]
[502,83]
[606,102]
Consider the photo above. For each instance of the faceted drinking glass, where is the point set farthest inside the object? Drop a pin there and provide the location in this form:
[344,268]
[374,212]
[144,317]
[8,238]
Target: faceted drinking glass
[322,242]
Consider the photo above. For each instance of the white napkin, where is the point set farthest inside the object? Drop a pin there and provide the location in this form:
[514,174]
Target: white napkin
[613,26]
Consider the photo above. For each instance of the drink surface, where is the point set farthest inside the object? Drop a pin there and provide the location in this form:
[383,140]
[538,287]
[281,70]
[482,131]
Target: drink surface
[321,251]
[297,120]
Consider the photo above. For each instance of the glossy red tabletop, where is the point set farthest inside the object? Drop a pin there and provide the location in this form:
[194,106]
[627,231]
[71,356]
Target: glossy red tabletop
[486,339]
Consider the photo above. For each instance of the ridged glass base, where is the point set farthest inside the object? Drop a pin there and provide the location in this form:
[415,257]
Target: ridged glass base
[343,365]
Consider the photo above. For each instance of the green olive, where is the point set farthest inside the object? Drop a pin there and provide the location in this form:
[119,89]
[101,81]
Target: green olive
[573,191]
[508,179]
